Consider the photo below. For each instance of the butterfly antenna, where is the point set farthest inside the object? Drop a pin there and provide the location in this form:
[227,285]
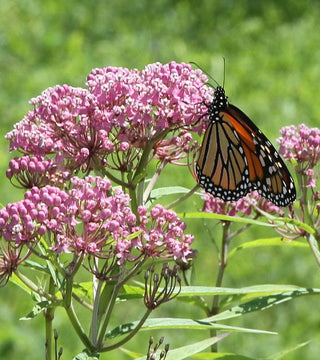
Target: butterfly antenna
[224,71]
[209,76]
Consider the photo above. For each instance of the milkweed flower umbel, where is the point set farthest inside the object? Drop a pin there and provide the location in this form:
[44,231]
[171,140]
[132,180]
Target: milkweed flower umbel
[302,145]
[30,171]
[168,279]
[247,206]
[110,124]
[107,223]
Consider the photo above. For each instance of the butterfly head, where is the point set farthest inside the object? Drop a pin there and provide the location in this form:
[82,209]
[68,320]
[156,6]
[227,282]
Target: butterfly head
[219,103]
[220,98]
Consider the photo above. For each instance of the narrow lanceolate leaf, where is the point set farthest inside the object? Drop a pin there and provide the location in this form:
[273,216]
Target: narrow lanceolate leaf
[15,280]
[134,292]
[173,323]
[276,241]
[35,266]
[221,356]
[293,222]
[168,323]
[257,290]
[133,354]
[171,190]
[205,215]
[187,351]
[262,303]
[283,354]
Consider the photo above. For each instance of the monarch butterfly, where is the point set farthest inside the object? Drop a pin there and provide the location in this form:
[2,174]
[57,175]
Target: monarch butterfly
[237,158]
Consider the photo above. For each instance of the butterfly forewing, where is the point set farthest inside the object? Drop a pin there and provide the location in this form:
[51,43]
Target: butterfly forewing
[221,167]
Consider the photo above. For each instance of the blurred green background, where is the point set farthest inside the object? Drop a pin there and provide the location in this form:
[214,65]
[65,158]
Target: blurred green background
[272,73]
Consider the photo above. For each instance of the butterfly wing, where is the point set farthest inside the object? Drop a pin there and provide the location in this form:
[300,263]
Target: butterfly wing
[237,158]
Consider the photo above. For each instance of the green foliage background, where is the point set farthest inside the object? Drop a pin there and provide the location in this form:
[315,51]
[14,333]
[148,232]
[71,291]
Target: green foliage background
[272,73]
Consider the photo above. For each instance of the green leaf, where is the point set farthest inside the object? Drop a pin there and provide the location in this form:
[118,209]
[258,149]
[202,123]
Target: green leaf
[136,292]
[299,224]
[132,354]
[129,292]
[283,354]
[53,273]
[158,193]
[205,215]
[276,241]
[256,290]
[314,245]
[83,289]
[85,356]
[185,352]
[37,309]
[177,323]
[134,235]
[35,266]
[173,323]
[261,303]
[15,280]
[171,190]
[221,356]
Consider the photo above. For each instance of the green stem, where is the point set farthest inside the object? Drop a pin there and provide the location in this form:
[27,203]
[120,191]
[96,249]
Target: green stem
[33,287]
[108,313]
[153,181]
[131,334]
[69,276]
[69,288]
[95,314]
[140,192]
[67,301]
[82,302]
[183,198]
[113,299]
[78,328]
[313,241]
[102,170]
[139,173]
[222,266]
[133,201]
[49,316]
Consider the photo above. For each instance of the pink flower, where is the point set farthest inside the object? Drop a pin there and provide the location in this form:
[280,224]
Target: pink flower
[27,220]
[11,256]
[30,171]
[244,206]
[163,235]
[302,144]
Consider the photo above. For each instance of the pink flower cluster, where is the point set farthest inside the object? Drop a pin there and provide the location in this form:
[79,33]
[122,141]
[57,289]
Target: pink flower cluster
[30,171]
[301,144]
[110,123]
[163,234]
[25,221]
[177,148]
[248,205]
[91,219]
